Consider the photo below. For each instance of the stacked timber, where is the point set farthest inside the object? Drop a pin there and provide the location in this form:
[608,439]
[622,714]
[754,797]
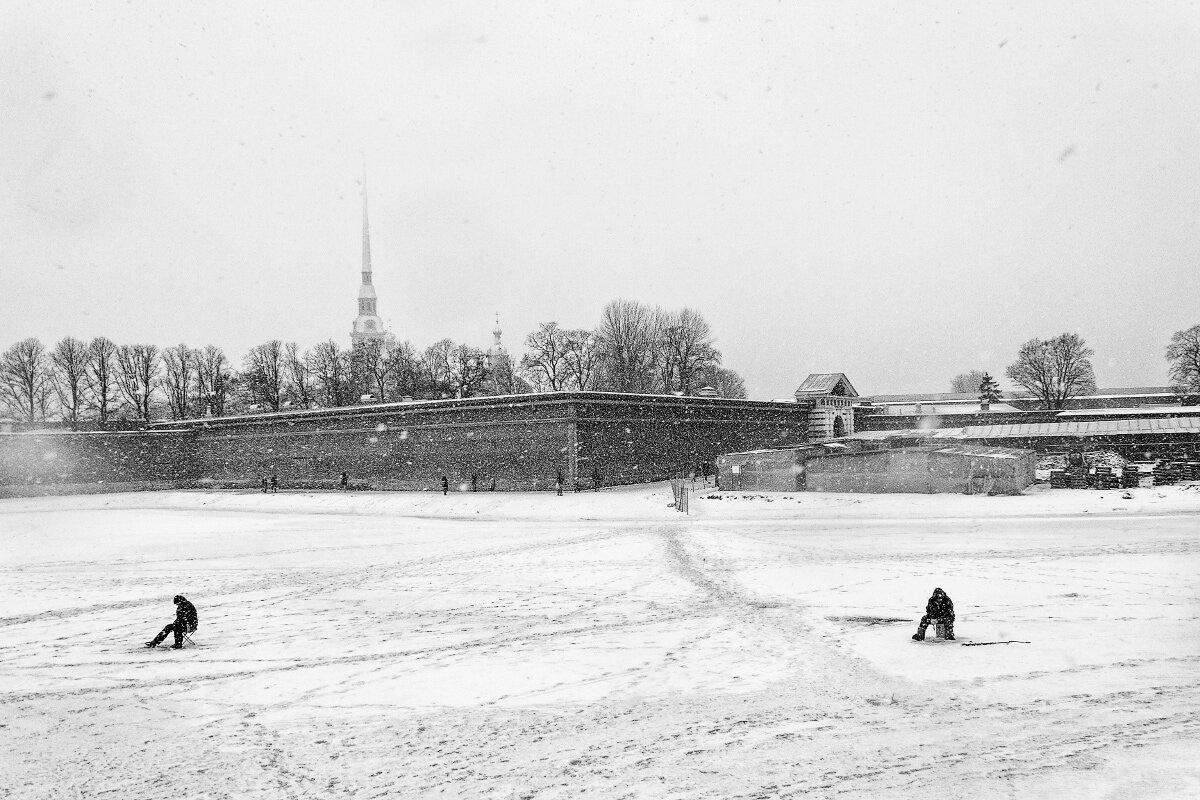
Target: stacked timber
[1105,479]
[1131,477]
[1165,473]
[1077,477]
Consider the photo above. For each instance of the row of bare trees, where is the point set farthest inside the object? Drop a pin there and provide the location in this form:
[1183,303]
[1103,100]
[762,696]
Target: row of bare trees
[99,382]
[635,348]
[1058,369]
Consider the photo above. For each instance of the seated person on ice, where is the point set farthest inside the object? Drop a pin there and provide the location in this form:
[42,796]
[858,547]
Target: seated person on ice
[940,608]
[186,621]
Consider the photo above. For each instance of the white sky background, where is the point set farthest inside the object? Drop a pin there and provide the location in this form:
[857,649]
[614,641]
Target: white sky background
[900,193]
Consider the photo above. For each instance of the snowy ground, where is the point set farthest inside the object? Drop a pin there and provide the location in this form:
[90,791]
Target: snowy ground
[490,645]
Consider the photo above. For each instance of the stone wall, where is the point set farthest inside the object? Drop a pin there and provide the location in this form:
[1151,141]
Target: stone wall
[638,441]
[96,460]
[523,442]
[395,447]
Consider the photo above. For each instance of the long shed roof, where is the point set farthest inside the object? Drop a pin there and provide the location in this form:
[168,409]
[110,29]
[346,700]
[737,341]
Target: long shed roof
[1016,394]
[1080,428]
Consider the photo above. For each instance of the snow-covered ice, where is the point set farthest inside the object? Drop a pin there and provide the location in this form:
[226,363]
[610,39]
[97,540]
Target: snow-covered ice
[529,645]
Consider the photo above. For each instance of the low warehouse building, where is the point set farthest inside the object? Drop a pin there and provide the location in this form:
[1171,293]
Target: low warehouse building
[834,468]
[780,470]
[956,468]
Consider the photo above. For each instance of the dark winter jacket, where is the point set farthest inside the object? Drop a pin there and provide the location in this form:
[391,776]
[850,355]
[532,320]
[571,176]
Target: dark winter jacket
[940,606]
[185,615]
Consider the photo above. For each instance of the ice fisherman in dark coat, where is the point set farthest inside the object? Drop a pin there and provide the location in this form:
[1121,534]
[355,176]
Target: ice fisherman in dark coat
[940,608]
[186,621]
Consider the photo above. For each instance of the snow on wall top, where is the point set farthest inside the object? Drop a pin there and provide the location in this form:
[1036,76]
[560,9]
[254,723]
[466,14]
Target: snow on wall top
[512,399]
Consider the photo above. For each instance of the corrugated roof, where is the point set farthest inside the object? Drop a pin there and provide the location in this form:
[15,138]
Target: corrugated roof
[952,407]
[824,383]
[936,397]
[1159,411]
[1080,428]
[981,451]
[944,397]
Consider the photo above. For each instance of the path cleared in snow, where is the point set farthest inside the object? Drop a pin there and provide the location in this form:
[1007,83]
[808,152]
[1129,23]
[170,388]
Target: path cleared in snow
[528,645]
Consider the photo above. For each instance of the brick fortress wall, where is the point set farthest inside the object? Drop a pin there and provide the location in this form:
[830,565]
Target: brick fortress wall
[514,443]
[95,461]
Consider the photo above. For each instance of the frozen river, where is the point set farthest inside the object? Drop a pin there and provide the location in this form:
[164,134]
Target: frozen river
[533,646]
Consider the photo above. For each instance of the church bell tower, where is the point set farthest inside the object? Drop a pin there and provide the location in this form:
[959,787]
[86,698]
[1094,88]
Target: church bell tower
[367,325]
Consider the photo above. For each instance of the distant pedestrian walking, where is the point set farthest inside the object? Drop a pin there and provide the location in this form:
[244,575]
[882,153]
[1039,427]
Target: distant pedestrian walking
[275,484]
[445,485]
[264,484]
[474,482]
[939,609]
[595,479]
[345,480]
[558,483]
[186,621]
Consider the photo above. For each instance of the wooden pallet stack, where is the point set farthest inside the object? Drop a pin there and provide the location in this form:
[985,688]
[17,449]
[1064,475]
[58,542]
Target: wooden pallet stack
[1077,477]
[1105,479]
[1165,473]
[1131,477]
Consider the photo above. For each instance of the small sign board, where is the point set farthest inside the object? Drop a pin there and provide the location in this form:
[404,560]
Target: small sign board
[737,469]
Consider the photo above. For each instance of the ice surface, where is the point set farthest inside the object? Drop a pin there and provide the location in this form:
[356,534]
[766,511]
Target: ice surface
[529,645]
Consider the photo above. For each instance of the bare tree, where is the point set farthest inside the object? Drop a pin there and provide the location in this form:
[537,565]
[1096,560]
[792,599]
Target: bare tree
[687,350]
[967,382]
[468,371]
[300,385]
[25,379]
[727,383]
[1183,354]
[100,378]
[1054,370]
[371,367]
[629,336]
[262,374]
[137,375]
[404,371]
[330,366]
[214,381]
[179,364]
[581,359]
[544,364]
[438,370]
[69,373]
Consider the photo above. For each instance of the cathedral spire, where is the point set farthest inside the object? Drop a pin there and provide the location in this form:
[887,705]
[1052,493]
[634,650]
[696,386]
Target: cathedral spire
[367,325]
[366,247]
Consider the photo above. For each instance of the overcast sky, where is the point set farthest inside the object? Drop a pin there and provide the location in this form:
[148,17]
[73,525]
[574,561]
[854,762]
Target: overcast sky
[898,192]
